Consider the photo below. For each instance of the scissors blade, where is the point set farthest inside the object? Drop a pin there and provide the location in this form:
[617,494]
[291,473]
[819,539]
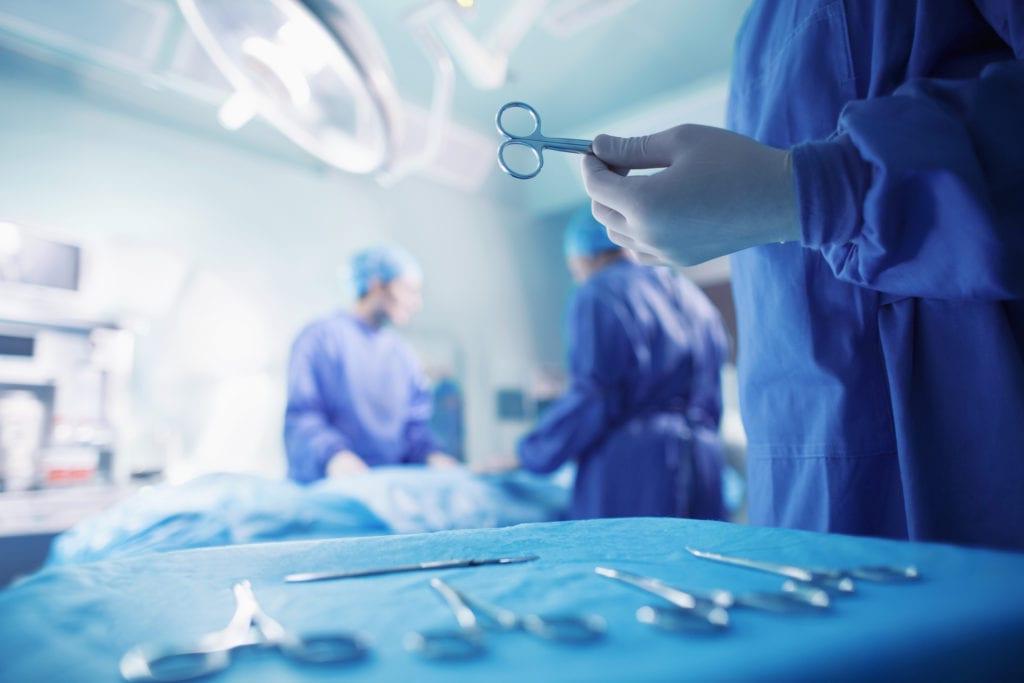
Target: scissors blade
[770,567]
[679,598]
[886,574]
[306,577]
[705,611]
[830,580]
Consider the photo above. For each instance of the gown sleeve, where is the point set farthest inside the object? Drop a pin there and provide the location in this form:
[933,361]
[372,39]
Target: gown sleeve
[921,193]
[310,438]
[705,409]
[599,358]
[419,440]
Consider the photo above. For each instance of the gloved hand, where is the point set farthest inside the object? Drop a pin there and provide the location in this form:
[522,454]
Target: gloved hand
[719,192]
[442,461]
[345,464]
[497,464]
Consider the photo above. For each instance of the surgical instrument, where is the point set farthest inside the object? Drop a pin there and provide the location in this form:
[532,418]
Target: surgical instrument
[837,579]
[797,598]
[250,626]
[827,580]
[305,577]
[533,140]
[792,599]
[696,610]
[473,616]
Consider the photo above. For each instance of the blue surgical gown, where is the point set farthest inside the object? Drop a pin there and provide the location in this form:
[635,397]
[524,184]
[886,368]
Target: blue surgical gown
[640,418]
[357,388]
[882,359]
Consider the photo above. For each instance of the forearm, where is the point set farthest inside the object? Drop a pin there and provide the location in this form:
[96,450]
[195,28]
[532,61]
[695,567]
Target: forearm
[566,432]
[921,192]
[419,443]
[310,444]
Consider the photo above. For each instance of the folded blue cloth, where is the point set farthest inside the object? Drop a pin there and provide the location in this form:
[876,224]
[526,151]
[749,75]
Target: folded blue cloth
[230,509]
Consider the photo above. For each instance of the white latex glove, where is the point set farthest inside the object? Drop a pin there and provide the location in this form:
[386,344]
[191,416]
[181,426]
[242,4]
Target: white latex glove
[442,461]
[498,464]
[719,192]
[345,464]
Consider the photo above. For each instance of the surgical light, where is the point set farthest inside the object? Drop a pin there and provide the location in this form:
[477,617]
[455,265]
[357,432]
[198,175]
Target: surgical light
[314,69]
[10,239]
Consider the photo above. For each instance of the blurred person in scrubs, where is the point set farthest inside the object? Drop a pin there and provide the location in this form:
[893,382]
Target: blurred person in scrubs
[640,418]
[872,190]
[357,397]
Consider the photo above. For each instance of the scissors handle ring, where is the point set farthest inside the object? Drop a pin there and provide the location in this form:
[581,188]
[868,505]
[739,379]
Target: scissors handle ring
[517,105]
[520,143]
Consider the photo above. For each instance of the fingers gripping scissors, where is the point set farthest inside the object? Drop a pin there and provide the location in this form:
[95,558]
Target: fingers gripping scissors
[535,141]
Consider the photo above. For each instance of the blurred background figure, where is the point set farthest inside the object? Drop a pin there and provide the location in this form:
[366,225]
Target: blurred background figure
[641,415]
[179,180]
[357,396]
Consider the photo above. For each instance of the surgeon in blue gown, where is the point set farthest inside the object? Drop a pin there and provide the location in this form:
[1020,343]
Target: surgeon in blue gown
[872,188]
[357,397]
[640,418]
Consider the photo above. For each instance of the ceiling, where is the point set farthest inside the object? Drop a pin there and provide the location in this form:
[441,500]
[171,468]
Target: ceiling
[139,55]
[651,47]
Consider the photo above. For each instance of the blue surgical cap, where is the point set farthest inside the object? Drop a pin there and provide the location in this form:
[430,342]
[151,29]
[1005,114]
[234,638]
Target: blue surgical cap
[584,236]
[382,264]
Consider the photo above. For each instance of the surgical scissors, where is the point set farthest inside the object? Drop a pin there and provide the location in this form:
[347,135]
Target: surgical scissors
[699,603]
[690,609]
[250,626]
[467,641]
[534,140]
[841,580]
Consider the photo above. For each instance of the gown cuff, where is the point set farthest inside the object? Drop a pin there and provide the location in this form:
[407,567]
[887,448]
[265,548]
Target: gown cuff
[831,181]
[331,449]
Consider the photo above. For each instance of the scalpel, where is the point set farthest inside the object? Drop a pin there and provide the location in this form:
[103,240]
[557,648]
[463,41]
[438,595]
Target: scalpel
[421,566]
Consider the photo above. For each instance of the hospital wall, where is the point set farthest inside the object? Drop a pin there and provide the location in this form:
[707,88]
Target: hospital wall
[217,254]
